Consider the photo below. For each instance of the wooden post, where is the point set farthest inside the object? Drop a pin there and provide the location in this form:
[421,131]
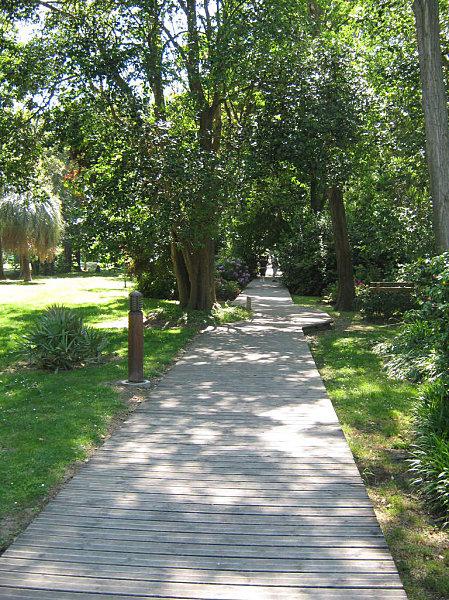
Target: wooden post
[248,302]
[135,338]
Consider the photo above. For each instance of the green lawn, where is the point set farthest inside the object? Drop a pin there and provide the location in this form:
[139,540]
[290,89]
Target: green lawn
[50,420]
[375,413]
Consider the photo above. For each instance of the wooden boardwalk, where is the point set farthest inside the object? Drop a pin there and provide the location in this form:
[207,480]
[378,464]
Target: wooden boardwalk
[233,482]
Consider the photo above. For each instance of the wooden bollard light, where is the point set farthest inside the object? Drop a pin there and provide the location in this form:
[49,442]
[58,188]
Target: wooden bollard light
[135,338]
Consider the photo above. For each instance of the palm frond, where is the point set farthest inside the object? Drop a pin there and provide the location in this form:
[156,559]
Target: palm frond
[30,224]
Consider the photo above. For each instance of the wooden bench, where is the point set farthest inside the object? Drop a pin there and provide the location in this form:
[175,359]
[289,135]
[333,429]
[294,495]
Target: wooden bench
[392,286]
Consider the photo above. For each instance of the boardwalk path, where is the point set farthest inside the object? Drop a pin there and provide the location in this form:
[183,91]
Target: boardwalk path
[234,481]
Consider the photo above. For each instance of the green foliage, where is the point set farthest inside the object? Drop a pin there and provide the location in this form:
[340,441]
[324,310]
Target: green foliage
[306,255]
[376,304]
[430,462]
[227,290]
[423,345]
[170,314]
[157,284]
[411,355]
[30,222]
[155,277]
[421,352]
[59,340]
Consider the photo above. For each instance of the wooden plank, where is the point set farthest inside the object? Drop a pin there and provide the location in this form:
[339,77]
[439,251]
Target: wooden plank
[198,475]
[324,594]
[200,503]
[218,515]
[332,550]
[319,536]
[317,527]
[156,589]
[309,564]
[196,481]
[228,465]
[186,575]
[352,564]
[233,489]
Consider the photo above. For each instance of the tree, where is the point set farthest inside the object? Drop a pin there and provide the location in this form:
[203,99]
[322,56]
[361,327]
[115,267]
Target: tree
[312,121]
[158,73]
[30,225]
[434,100]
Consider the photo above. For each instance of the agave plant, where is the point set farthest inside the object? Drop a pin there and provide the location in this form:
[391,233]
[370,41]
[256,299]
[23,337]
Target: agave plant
[59,340]
[30,224]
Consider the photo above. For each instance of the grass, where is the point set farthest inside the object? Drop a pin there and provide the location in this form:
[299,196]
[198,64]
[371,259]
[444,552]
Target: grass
[376,415]
[48,421]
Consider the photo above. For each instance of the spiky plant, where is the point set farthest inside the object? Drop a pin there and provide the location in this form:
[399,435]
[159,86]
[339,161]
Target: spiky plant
[30,224]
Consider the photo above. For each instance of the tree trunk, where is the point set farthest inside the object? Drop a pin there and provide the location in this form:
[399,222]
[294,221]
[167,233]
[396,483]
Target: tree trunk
[2,271]
[197,258]
[434,101]
[181,274]
[194,268]
[26,267]
[79,266]
[200,265]
[68,255]
[345,269]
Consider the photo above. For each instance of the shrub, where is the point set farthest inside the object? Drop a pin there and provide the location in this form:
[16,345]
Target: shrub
[153,270]
[411,355]
[430,462]
[234,269]
[376,304]
[304,276]
[226,290]
[421,352]
[424,340]
[60,341]
[306,254]
[157,284]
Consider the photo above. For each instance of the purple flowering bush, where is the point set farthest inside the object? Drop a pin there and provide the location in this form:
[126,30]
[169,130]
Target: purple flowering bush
[234,269]
[232,276]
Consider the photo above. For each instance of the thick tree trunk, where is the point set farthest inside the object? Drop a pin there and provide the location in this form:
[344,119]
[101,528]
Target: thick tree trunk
[26,267]
[2,270]
[434,100]
[200,265]
[345,269]
[194,268]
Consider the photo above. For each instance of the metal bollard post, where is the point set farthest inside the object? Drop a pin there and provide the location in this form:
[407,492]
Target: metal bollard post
[248,302]
[135,338]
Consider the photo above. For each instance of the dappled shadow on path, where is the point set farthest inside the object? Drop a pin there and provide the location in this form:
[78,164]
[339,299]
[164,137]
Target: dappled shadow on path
[233,482]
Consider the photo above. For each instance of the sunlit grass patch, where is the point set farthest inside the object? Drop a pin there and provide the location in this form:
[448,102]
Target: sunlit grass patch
[50,420]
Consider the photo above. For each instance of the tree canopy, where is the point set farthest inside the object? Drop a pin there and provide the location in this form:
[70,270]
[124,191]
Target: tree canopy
[191,127]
